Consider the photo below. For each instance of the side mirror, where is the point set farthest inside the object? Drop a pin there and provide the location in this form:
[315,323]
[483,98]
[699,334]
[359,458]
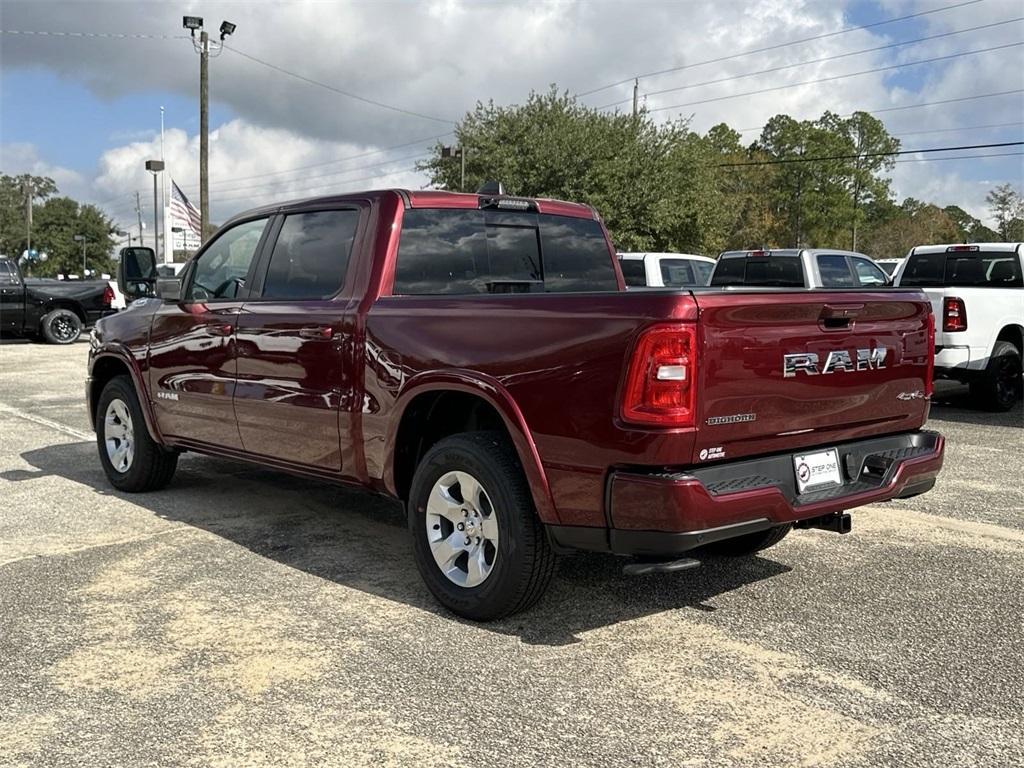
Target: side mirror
[136,272]
[168,289]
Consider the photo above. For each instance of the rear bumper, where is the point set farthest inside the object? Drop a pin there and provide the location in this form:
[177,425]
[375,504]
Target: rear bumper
[666,513]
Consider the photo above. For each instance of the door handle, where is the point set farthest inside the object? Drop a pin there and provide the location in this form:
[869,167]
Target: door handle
[220,329]
[318,332]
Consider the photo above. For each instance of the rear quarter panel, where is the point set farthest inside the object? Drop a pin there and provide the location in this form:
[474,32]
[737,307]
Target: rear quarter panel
[560,357]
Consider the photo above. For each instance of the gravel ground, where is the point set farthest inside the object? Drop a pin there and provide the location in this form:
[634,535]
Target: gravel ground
[245,617]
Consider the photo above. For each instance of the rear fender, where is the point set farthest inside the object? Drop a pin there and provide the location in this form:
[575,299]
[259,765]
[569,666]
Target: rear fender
[491,391]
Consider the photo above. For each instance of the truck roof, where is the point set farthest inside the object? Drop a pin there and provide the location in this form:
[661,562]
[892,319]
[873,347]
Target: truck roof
[791,252]
[424,198]
[1008,247]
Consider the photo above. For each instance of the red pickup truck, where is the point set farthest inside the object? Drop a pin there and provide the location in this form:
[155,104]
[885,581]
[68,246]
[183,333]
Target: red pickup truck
[478,357]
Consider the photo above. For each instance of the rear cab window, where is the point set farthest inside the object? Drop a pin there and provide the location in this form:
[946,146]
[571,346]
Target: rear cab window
[968,268]
[458,251]
[782,271]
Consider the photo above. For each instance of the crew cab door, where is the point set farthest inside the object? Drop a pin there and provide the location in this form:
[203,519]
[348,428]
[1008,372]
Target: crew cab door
[296,334]
[192,351]
[12,297]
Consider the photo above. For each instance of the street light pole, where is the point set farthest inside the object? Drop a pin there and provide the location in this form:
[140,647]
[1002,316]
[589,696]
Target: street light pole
[204,131]
[203,48]
[155,167]
[81,239]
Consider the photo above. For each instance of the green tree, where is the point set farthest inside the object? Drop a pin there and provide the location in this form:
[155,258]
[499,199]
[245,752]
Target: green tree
[1007,208]
[915,223]
[650,182]
[57,222]
[13,195]
[971,229]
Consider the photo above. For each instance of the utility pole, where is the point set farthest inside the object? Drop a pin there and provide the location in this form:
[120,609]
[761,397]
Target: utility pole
[856,184]
[203,48]
[462,154]
[138,211]
[204,134]
[636,96]
[29,194]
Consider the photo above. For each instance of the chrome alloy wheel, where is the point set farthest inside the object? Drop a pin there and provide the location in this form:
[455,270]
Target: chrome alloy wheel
[118,436]
[462,529]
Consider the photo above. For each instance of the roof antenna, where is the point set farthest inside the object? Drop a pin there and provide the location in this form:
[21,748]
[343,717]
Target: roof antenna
[491,188]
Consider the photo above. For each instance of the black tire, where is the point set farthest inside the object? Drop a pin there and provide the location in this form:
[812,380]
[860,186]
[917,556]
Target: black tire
[999,388]
[152,466]
[523,563]
[743,546]
[61,326]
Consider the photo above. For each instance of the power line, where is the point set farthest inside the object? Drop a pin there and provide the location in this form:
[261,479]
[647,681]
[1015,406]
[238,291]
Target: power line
[778,46]
[114,35]
[788,160]
[817,61]
[959,130]
[321,186]
[339,91]
[840,77]
[961,157]
[324,175]
[331,162]
[880,110]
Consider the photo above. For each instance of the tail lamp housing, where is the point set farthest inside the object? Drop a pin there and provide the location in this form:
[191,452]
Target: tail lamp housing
[929,376]
[954,315]
[108,296]
[660,387]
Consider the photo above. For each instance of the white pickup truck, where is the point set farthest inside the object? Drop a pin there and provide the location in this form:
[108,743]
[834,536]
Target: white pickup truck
[665,270]
[798,268]
[977,295]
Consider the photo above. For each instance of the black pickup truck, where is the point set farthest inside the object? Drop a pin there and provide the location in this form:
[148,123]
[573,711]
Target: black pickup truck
[55,310]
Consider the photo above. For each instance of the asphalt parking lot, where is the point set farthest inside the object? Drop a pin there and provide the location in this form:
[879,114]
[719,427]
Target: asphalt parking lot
[245,617]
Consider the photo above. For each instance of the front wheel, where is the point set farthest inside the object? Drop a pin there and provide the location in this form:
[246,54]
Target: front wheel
[1000,385]
[61,326]
[134,461]
[476,538]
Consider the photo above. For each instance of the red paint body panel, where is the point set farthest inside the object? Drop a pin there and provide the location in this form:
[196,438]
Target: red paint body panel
[550,365]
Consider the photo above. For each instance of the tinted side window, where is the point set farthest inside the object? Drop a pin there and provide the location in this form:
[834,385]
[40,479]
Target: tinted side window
[576,256]
[676,272]
[702,271]
[221,270]
[868,273]
[311,255]
[633,272]
[440,252]
[835,271]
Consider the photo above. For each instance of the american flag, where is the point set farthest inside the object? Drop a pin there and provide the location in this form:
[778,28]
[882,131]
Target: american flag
[183,210]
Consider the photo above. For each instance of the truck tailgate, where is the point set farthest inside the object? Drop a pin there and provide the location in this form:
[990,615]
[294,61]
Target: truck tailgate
[781,370]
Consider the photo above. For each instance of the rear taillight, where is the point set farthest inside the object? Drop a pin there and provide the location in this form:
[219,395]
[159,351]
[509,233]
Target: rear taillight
[954,315]
[929,376]
[108,295]
[661,381]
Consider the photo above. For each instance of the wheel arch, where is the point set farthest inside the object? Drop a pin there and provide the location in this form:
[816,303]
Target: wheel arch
[109,364]
[68,304]
[438,404]
[1013,333]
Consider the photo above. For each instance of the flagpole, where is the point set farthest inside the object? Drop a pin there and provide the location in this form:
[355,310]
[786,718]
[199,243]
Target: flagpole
[168,238]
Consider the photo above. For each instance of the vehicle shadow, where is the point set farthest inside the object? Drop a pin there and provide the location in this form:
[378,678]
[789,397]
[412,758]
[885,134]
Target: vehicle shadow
[952,402]
[359,540]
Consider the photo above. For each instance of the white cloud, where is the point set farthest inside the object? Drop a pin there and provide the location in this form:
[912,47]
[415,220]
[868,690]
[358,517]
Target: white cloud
[18,158]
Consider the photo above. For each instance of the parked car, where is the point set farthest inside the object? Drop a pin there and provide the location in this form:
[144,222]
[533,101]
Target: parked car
[978,292]
[889,266]
[659,270]
[478,357]
[798,268]
[55,310]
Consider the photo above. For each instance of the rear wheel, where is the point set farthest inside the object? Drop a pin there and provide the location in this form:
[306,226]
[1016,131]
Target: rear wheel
[476,538]
[1000,386]
[133,461]
[750,543]
[61,326]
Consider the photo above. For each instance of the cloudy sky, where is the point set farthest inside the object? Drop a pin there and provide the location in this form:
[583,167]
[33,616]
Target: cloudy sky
[85,109]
